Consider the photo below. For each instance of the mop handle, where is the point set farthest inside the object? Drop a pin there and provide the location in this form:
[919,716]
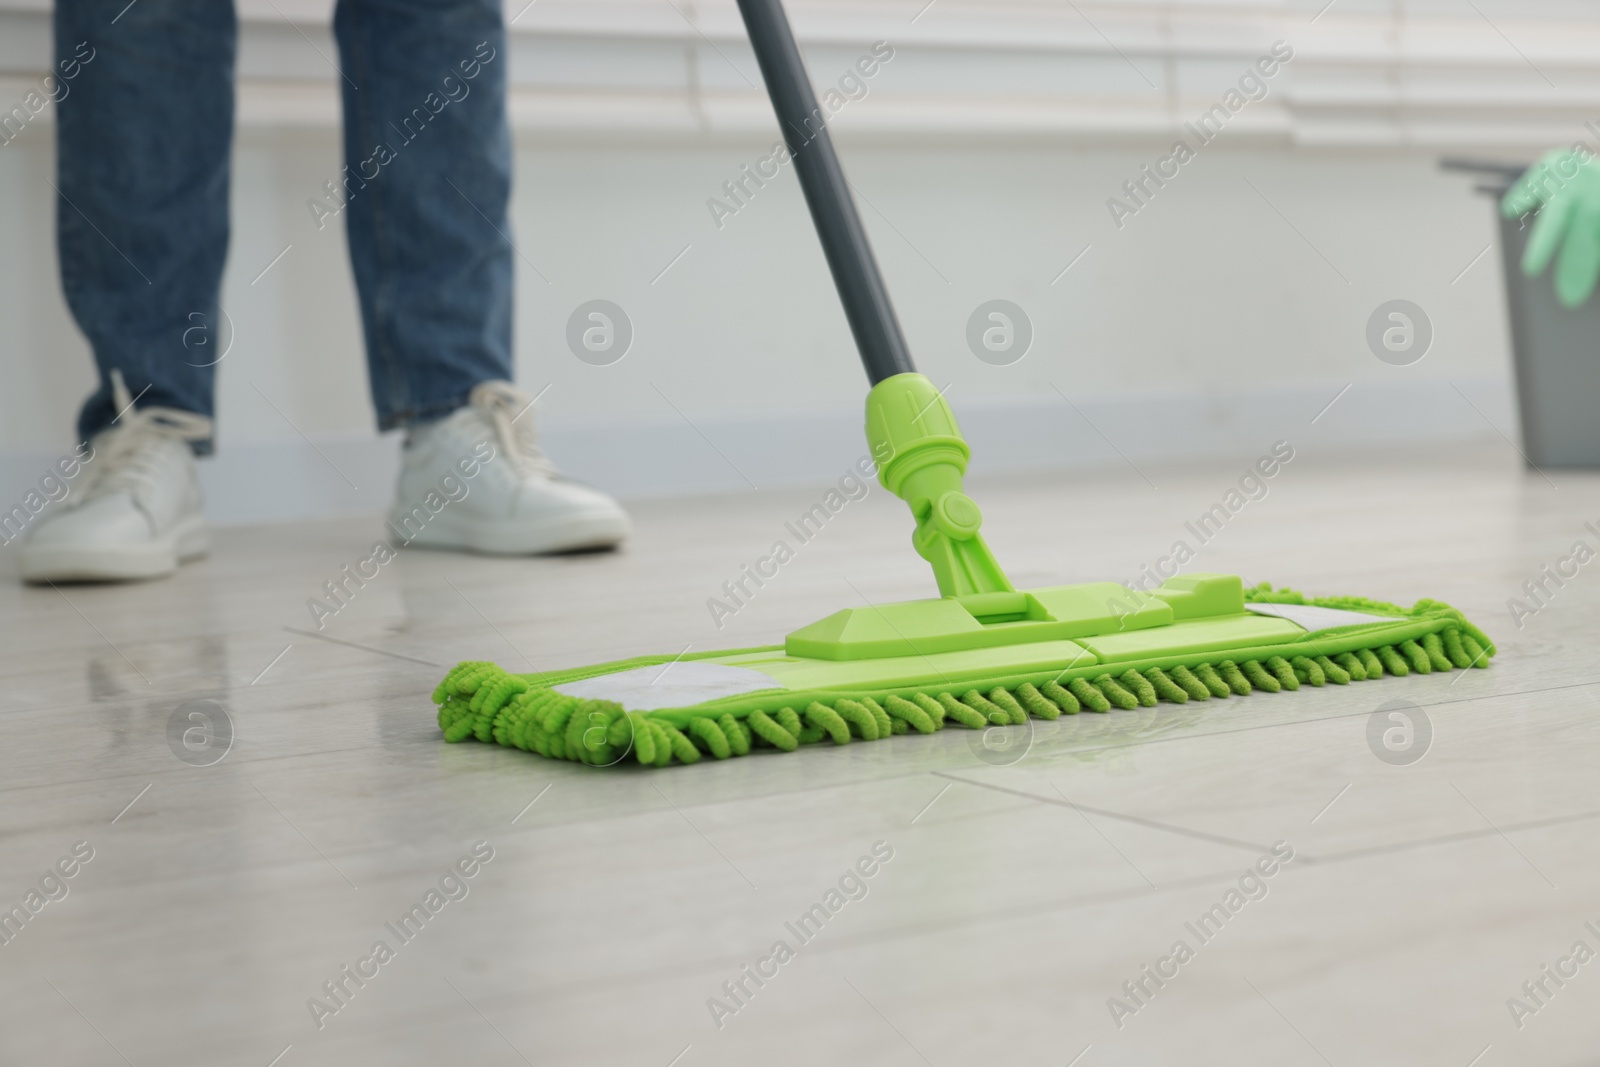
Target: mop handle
[833,212]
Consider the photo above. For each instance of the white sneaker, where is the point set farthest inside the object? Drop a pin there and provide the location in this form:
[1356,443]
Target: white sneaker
[477,480]
[136,513]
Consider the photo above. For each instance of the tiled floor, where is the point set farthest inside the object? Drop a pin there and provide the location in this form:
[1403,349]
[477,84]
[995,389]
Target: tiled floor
[1025,886]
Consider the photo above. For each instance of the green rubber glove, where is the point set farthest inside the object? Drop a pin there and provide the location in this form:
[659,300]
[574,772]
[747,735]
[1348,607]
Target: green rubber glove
[1564,187]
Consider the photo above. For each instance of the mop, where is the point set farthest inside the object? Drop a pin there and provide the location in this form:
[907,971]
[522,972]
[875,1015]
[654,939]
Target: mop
[981,655]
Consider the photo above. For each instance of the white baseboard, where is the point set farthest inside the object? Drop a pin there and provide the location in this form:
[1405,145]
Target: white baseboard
[288,480]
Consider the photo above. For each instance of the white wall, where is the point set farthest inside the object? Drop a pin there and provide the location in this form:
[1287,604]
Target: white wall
[1222,316]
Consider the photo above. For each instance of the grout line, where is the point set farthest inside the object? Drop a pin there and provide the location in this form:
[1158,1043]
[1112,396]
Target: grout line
[364,648]
[1139,820]
[1503,837]
[1030,912]
[1104,838]
[1445,839]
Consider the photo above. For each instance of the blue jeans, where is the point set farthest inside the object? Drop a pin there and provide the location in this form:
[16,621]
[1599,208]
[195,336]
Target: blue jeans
[145,135]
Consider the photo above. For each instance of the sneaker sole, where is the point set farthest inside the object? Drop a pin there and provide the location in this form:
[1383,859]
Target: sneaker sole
[525,537]
[188,540]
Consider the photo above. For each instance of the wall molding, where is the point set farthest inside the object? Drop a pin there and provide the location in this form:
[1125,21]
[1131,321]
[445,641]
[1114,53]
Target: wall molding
[609,69]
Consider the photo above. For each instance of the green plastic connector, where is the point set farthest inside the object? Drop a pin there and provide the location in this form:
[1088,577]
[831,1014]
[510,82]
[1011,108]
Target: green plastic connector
[910,422]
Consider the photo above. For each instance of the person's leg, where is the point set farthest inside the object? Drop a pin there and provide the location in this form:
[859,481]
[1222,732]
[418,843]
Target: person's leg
[145,124]
[425,195]
[144,135]
[425,191]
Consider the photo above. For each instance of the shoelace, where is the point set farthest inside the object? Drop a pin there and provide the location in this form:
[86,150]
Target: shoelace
[127,457]
[506,407]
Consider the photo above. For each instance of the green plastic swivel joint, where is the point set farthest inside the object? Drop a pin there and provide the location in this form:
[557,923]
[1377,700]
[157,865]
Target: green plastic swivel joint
[921,459]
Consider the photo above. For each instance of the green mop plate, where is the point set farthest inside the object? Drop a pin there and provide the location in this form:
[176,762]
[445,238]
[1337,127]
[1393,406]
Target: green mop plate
[979,660]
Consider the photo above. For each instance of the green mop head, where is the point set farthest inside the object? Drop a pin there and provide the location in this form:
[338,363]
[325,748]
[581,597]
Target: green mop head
[658,709]
[984,654]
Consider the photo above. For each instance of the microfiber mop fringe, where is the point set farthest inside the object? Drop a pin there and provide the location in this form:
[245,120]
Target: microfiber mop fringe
[480,700]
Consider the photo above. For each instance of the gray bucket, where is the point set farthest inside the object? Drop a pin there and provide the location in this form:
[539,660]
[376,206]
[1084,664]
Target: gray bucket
[1555,350]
